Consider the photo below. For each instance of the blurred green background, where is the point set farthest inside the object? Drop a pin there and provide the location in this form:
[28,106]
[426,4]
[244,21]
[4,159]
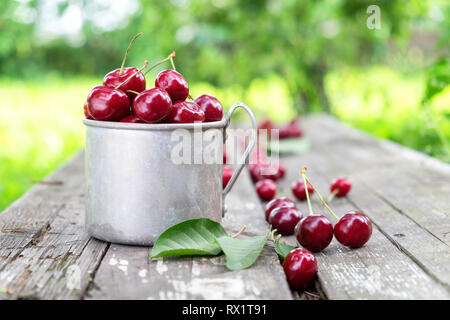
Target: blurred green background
[281,57]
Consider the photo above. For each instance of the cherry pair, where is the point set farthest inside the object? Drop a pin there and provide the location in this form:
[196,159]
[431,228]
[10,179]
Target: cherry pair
[261,170]
[315,232]
[290,130]
[339,188]
[283,215]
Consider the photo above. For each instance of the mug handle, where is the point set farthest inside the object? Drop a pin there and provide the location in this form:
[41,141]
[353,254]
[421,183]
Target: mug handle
[244,158]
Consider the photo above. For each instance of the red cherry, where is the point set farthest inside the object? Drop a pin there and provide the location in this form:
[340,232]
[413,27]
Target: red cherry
[300,267]
[278,202]
[152,105]
[174,83]
[298,189]
[284,219]
[266,189]
[266,124]
[353,229]
[224,155]
[294,130]
[86,113]
[132,119]
[107,104]
[137,83]
[314,232]
[281,171]
[283,132]
[185,112]
[259,171]
[227,173]
[211,107]
[342,185]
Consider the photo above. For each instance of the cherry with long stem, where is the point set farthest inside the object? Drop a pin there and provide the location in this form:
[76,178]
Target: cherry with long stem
[332,195]
[306,189]
[313,232]
[305,178]
[126,52]
[172,62]
[170,57]
[133,75]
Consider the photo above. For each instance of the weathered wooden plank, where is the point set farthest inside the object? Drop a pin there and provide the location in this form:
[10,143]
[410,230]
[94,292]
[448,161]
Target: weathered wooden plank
[379,270]
[412,183]
[127,273]
[404,229]
[50,255]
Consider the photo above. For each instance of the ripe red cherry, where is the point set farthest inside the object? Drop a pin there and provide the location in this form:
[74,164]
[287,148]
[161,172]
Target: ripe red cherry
[266,189]
[185,112]
[86,113]
[132,119]
[276,203]
[298,189]
[353,229]
[261,171]
[342,187]
[137,83]
[300,267]
[294,130]
[174,83]
[284,219]
[227,173]
[107,104]
[152,105]
[314,232]
[224,155]
[281,171]
[211,107]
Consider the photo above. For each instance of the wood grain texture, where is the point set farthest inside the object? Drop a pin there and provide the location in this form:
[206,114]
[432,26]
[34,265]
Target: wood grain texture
[401,266]
[45,252]
[128,273]
[416,229]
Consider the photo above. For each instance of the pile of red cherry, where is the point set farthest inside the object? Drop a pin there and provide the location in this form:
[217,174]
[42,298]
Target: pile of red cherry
[123,97]
[314,232]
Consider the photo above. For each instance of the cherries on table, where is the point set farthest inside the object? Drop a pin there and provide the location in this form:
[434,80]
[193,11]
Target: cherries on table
[353,229]
[266,189]
[300,267]
[314,232]
[284,219]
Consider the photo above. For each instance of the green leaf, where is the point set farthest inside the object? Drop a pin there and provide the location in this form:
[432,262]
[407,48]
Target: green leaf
[190,237]
[282,248]
[291,146]
[241,254]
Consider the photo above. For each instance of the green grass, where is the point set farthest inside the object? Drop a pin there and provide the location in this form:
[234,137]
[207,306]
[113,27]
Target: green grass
[40,122]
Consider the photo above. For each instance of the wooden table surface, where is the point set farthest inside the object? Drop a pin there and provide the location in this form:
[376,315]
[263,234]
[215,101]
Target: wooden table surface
[45,253]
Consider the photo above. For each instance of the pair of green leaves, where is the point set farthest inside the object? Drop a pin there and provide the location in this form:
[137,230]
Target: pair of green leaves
[207,237]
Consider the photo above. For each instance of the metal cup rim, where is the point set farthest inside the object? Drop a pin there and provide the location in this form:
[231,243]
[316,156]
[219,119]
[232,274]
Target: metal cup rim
[155,126]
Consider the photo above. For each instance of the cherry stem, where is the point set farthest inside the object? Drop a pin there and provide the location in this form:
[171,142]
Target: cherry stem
[303,170]
[240,232]
[173,63]
[321,199]
[159,62]
[134,74]
[126,53]
[332,195]
[132,91]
